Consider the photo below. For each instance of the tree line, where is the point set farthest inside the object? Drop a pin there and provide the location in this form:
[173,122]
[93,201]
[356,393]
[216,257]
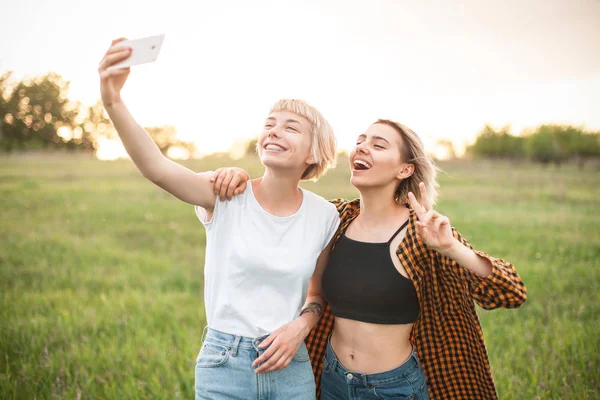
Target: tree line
[37,114]
[549,143]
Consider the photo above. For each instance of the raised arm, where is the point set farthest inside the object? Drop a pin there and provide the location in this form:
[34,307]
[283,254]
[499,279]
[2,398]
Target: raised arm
[181,182]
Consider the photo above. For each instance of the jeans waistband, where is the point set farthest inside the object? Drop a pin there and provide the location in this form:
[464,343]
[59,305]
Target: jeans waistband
[232,342]
[335,366]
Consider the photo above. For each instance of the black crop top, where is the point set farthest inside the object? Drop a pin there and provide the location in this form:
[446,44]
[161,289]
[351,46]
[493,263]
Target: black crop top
[361,283]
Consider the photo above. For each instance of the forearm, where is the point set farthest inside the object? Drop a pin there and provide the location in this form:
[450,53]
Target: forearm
[466,258]
[139,145]
[311,312]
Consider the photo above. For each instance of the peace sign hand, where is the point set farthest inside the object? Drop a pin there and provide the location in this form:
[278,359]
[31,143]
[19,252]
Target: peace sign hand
[433,228]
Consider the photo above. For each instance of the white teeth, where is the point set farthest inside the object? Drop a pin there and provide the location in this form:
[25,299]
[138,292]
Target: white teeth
[274,147]
[363,163]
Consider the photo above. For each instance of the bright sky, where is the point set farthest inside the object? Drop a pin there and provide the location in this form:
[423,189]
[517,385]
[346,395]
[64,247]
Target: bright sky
[443,68]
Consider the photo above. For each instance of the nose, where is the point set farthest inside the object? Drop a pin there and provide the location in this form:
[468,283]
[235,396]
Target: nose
[273,132]
[362,148]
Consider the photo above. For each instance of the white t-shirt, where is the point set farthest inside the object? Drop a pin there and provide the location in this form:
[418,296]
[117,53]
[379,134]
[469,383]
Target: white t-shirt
[258,265]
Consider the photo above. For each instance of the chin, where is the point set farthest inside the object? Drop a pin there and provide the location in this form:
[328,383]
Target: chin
[360,181]
[271,163]
[280,165]
[367,182]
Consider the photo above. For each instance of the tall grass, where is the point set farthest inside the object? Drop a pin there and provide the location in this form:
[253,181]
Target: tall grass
[101,276]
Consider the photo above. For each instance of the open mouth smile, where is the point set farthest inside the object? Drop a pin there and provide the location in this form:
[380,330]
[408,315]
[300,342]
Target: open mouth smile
[361,165]
[274,147]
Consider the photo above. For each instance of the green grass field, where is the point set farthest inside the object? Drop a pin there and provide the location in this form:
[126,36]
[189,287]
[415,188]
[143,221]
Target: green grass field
[101,276]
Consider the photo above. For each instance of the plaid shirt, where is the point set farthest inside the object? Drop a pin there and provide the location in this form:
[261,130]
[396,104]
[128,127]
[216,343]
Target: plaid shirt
[447,333]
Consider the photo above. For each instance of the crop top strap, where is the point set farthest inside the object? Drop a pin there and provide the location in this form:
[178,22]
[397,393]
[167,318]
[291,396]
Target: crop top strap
[398,231]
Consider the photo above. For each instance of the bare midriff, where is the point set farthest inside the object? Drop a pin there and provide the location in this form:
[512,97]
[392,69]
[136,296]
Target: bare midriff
[369,348]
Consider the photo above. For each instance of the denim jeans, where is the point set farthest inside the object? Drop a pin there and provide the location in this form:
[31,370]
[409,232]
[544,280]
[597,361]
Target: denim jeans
[224,371]
[404,382]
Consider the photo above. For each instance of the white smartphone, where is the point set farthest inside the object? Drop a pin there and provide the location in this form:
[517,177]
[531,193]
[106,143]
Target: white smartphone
[143,51]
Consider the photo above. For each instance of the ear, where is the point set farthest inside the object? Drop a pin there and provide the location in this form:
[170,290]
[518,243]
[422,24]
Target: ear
[310,160]
[405,171]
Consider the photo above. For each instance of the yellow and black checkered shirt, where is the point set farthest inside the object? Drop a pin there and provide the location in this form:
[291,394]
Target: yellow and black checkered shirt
[447,334]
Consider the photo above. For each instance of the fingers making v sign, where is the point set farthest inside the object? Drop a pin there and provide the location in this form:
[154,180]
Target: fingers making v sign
[433,228]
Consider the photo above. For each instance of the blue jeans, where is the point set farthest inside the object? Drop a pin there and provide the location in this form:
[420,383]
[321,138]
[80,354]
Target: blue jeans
[224,371]
[404,382]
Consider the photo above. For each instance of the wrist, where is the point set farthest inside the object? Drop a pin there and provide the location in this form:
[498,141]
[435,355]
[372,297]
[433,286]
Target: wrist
[452,250]
[307,322]
[112,103]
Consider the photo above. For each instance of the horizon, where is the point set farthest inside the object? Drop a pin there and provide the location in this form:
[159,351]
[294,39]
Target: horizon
[444,71]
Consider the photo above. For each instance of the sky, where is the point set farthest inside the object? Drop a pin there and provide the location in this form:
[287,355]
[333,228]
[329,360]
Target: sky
[443,68]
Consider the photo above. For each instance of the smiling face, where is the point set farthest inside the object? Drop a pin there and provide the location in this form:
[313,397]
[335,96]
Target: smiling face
[376,160]
[285,142]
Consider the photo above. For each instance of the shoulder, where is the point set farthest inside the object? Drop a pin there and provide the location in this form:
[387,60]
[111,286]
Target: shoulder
[346,208]
[237,201]
[319,210]
[314,201]
[241,197]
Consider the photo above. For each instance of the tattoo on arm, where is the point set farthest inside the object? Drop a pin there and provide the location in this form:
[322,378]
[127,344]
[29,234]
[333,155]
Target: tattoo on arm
[314,308]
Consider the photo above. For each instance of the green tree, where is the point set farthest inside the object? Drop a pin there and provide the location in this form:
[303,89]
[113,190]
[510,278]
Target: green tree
[497,144]
[553,143]
[35,112]
[4,89]
[585,146]
[95,125]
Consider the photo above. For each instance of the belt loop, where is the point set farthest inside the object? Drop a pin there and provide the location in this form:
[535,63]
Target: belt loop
[334,360]
[365,380]
[204,333]
[236,343]
[415,355]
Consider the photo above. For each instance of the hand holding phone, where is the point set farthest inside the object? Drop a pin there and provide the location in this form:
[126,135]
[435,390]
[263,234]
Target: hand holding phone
[143,51]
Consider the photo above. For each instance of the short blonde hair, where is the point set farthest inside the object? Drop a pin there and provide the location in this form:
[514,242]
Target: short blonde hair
[322,144]
[413,152]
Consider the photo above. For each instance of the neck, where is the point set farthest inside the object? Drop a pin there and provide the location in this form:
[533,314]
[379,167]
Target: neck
[276,189]
[377,205]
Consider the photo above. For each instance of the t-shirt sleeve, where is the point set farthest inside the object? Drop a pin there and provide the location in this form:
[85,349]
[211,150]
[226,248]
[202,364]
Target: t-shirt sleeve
[332,224]
[202,213]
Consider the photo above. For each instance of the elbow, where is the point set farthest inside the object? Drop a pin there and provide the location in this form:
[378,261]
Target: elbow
[315,296]
[493,300]
[516,299]
[152,175]
[153,171]
[513,302]
[519,298]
